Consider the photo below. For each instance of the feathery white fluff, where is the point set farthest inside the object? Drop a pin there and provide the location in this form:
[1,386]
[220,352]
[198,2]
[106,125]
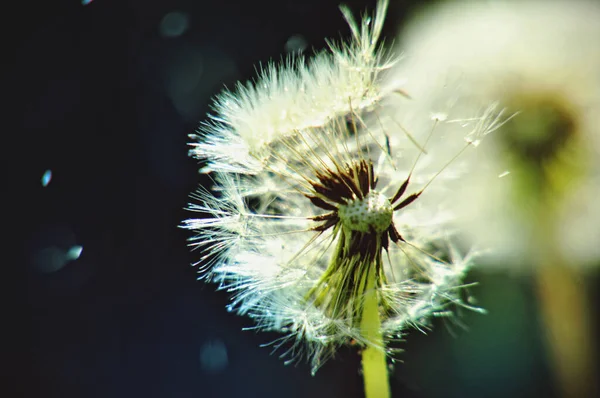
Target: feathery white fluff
[293,95]
[283,149]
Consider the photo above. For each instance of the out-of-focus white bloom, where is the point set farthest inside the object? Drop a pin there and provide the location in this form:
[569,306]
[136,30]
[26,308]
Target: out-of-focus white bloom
[321,179]
[542,59]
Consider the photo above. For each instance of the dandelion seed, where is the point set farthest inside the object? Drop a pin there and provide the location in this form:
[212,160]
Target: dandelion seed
[328,222]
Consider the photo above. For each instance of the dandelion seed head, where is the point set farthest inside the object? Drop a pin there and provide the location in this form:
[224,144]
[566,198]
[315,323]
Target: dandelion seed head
[320,180]
[539,60]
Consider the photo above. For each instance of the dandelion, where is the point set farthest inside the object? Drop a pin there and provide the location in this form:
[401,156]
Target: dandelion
[327,217]
[541,59]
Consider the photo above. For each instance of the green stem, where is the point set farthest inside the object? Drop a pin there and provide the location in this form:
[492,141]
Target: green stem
[375,372]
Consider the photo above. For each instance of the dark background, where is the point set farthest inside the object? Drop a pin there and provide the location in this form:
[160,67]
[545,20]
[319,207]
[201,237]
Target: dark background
[104,95]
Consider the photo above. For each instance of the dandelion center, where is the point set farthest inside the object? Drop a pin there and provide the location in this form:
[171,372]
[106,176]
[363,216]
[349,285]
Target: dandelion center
[545,126]
[372,213]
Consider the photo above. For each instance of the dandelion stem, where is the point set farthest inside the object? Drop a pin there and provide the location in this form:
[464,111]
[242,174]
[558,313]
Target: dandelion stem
[566,316]
[374,365]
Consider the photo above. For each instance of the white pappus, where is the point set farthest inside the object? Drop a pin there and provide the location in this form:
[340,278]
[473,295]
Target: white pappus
[318,182]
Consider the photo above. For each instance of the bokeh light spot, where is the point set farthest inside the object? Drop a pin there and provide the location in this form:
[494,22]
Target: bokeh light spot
[296,43]
[74,252]
[213,356]
[46,178]
[52,248]
[49,259]
[174,24]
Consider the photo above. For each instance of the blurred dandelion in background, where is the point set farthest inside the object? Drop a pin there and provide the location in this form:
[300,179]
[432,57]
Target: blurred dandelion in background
[329,219]
[533,196]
